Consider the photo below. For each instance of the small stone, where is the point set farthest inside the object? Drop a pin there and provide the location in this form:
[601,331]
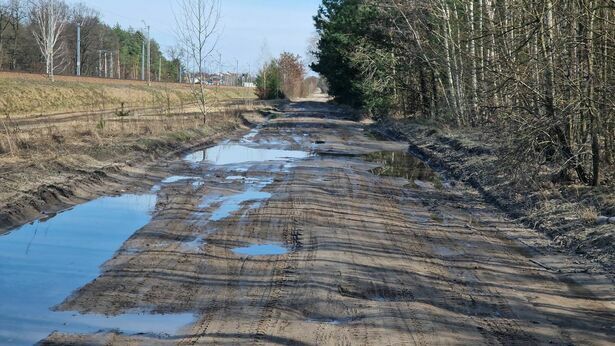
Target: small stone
[612,220]
[602,220]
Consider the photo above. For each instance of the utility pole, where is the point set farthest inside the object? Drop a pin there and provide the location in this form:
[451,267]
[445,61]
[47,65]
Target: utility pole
[159,68]
[237,81]
[143,59]
[78,49]
[181,68]
[100,63]
[149,57]
[106,69]
[220,66]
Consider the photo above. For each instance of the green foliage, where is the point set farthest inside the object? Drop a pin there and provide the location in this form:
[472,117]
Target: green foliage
[269,82]
[366,61]
[532,69]
[284,77]
[345,55]
[101,124]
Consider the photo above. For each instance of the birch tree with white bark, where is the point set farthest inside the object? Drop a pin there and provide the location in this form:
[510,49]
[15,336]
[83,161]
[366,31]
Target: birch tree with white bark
[49,18]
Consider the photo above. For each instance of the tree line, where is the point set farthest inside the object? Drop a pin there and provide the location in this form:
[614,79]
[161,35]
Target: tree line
[35,34]
[538,71]
[284,77]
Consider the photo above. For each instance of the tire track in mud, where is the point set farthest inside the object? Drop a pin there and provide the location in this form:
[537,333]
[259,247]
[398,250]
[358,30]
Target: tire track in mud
[497,330]
[263,300]
[363,335]
[504,326]
[199,330]
[462,291]
[303,247]
[415,329]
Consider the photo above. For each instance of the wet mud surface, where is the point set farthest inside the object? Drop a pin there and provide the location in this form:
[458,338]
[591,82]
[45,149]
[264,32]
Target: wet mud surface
[308,231]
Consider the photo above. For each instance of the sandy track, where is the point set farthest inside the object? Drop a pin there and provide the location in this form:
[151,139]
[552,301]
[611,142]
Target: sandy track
[373,260]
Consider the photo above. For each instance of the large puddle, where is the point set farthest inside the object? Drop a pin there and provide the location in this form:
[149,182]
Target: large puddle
[227,205]
[273,249]
[404,165]
[241,157]
[234,203]
[227,154]
[42,263]
[177,178]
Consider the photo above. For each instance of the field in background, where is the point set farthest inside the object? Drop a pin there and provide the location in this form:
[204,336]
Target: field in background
[40,118]
[26,95]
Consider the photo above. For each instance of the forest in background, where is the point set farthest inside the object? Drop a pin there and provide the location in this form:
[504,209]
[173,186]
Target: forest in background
[537,73]
[106,51]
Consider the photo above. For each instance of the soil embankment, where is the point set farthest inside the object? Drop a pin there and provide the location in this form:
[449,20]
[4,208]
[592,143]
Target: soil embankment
[574,216]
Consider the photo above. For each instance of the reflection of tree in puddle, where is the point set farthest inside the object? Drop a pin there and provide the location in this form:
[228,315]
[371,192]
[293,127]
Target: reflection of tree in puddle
[403,165]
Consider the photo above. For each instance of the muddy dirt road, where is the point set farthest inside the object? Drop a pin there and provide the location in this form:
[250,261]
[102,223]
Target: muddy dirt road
[310,231]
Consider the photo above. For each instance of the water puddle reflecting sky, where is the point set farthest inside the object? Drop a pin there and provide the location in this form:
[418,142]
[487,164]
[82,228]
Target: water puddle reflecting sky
[233,203]
[242,157]
[273,249]
[178,178]
[42,263]
[227,154]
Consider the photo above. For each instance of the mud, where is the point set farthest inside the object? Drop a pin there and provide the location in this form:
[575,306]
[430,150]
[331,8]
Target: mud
[370,257]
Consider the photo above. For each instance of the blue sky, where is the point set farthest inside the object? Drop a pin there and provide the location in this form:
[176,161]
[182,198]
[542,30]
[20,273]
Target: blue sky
[246,25]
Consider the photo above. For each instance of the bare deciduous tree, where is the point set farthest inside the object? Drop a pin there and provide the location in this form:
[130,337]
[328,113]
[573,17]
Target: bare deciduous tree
[292,74]
[49,18]
[4,23]
[197,33]
[16,13]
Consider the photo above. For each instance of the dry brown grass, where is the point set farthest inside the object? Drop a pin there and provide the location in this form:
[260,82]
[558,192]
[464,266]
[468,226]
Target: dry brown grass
[38,116]
[588,214]
[26,95]
[17,144]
